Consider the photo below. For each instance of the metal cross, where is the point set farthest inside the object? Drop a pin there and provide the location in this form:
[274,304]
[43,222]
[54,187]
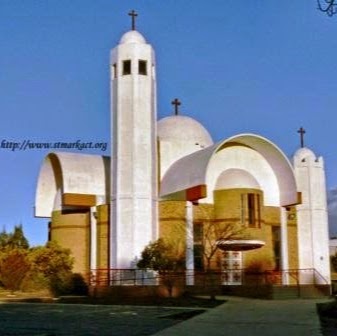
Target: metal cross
[301,131]
[176,104]
[133,15]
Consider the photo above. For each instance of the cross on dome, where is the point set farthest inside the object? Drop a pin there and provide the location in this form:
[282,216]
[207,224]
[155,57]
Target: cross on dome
[176,104]
[301,131]
[133,15]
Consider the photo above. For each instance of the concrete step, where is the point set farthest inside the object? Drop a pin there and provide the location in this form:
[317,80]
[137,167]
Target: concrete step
[303,291]
[285,292]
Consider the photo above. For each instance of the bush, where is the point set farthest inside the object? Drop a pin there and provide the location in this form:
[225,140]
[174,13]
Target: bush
[68,284]
[14,266]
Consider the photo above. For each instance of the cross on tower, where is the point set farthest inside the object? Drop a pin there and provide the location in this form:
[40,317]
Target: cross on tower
[301,131]
[133,15]
[176,104]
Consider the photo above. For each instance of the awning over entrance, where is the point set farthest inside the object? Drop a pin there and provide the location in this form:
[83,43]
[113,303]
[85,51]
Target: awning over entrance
[239,244]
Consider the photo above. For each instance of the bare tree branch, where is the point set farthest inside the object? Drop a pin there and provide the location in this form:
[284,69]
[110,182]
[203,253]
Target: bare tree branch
[215,231]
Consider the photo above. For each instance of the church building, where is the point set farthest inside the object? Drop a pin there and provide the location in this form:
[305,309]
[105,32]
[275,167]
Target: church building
[167,178]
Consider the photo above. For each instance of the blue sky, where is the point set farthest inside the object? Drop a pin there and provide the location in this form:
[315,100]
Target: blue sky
[265,67]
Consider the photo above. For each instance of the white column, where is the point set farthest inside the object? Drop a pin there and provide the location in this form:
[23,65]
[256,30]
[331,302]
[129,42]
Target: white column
[189,245]
[284,245]
[93,240]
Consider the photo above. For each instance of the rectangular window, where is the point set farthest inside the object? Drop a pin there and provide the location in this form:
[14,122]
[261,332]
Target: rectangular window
[276,241]
[243,208]
[114,70]
[258,211]
[251,210]
[127,67]
[142,67]
[198,248]
[253,204]
[198,257]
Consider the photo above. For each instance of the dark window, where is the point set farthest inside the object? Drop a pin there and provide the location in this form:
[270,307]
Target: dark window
[114,69]
[243,209]
[258,210]
[276,239]
[198,257]
[142,67]
[127,67]
[251,210]
[198,248]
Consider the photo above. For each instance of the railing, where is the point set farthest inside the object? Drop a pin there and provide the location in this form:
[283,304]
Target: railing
[137,277]
[131,277]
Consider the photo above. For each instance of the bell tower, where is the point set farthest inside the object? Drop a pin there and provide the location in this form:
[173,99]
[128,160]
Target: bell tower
[134,153]
[312,214]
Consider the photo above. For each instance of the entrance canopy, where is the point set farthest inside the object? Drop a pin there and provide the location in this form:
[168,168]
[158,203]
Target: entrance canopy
[239,244]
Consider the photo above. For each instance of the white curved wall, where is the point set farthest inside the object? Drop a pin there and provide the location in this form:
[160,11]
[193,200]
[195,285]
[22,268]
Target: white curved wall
[70,173]
[83,173]
[234,178]
[172,151]
[192,170]
[247,159]
[48,183]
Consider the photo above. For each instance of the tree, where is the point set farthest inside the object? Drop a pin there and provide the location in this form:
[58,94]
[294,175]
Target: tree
[14,266]
[17,239]
[162,257]
[54,264]
[39,267]
[51,259]
[4,237]
[215,231]
[14,262]
[327,6]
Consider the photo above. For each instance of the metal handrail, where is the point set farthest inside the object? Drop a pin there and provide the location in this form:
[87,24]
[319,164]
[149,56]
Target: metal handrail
[111,277]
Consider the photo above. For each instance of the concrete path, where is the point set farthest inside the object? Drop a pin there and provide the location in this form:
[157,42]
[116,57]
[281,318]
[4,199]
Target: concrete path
[248,317]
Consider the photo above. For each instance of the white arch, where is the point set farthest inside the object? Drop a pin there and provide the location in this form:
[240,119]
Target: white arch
[71,173]
[246,159]
[196,168]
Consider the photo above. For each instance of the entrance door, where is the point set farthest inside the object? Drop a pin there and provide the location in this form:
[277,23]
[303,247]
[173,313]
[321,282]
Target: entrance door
[232,268]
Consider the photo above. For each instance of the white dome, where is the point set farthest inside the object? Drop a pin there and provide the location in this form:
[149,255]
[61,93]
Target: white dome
[132,36]
[236,178]
[182,128]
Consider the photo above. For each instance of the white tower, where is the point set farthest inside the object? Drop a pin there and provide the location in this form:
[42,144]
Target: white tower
[134,153]
[312,216]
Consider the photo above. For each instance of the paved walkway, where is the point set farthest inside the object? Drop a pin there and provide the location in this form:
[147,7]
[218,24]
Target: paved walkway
[248,317]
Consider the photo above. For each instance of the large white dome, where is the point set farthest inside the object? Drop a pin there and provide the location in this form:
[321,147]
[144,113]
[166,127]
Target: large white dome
[182,128]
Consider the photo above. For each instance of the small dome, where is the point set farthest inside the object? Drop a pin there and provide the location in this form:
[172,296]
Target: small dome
[182,128]
[132,36]
[304,153]
[236,178]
